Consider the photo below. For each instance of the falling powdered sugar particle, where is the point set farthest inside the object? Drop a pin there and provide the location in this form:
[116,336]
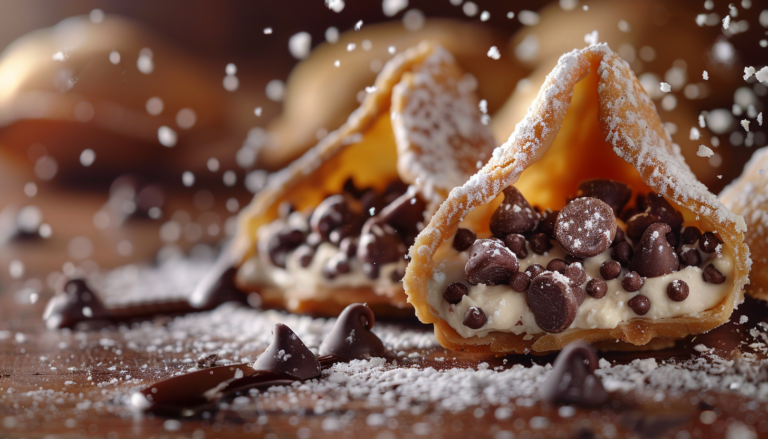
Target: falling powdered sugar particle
[704,151]
[666,88]
[745,124]
[748,72]
[493,52]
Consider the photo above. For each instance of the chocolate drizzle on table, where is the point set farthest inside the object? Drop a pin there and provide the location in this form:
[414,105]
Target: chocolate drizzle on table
[285,361]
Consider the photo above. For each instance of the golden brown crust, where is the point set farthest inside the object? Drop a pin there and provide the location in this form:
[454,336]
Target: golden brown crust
[631,128]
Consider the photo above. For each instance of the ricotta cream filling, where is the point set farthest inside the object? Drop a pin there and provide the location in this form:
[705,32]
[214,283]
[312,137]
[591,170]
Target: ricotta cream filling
[508,311]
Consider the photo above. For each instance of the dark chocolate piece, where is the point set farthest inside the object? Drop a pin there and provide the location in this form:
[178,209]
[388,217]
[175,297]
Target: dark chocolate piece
[575,272]
[552,301]
[516,243]
[218,286]
[573,380]
[661,208]
[337,265]
[534,270]
[638,223]
[677,290]
[514,214]
[709,242]
[639,304]
[490,262]
[379,243]
[632,282]
[405,214]
[691,234]
[610,270]
[622,253]
[547,224]
[348,246]
[282,243]
[620,236]
[540,243]
[331,213]
[351,337]
[288,355]
[463,239]
[690,256]
[305,254]
[76,303]
[557,265]
[613,193]
[654,256]
[585,227]
[475,318]
[712,275]
[397,275]
[455,292]
[597,288]
[520,281]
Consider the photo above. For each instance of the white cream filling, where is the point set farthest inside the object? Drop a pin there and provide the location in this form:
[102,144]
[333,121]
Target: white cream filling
[508,311]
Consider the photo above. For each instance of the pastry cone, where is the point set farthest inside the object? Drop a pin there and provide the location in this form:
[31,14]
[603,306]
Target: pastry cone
[320,95]
[344,237]
[748,196]
[591,120]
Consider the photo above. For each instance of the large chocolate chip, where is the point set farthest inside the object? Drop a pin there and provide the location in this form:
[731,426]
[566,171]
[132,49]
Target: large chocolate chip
[572,380]
[490,263]
[547,223]
[612,193]
[514,214]
[709,242]
[622,253]
[575,272]
[552,301]
[348,246]
[405,214]
[540,243]
[463,239]
[516,243]
[282,243]
[455,292]
[331,213]
[351,336]
[610,270]
[690,256]
[638,223]
[597,288]
[76,303]
[379,244]
[520,281]
[677,290]
[661,208]
[639,304]
[632,282]
[713,275]
[585,227]
[475,318]
[654,256]
[691,234]
[287,354]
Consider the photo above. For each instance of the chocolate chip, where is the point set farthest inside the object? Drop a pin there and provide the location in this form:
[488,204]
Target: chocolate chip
[622,253]
[661,208]
[396,275]
[547,224]
[620,236]
[572,380]
[350,188]
[580,295]
[613,193]
[540,243]
[282,243]
[305,254]
[639,304]
[76,303]
[638,223]
[463,239]
[336,265]
[610,270]
[691,234]
[314,240]
[575,272]
[709,242]
[455,292]
[654,256]
[534,270]
[570,259]
[331,213]
[346,231]
[677,290]
[585,227]
[597,288]
[673,238]
[690,256]
[490,263]
[405,214]
[632,282]
[641,202]
[351,335]
[348,246]
[370,270]
[712,275]
[475,318]
[557,265]
[520,281]
[514,214]
[516,243]
[552,301]
[287,354]
[379,243]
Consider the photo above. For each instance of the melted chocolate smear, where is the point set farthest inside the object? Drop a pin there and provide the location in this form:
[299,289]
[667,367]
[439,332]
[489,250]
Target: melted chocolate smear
[75,304]
[351,337]
[572,380]
[288,355]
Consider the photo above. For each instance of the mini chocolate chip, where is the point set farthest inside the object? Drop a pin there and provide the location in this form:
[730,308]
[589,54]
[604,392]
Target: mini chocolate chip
[490,263]
[455,292]
[573,380]
[540,243]
[397,275]
[371,270]
[585,227]
[638,223]
[597,288]
[534,270]
[690,256]
[336,265]
[305,254]
[331,213]
[613,193]
[709,242]
[516,243]
[691,234]
[610,270]
[639,304]
[547,224]
[712,275]
[654,256]
[620,236]
[677,290]
[632,282]
[557,265]
[552,301]
[575,272]
[673,238]
[463,239]
[475,318]
[282,243]
[622,253]
[661,208]
[514,214]
[520,281]
[348,246]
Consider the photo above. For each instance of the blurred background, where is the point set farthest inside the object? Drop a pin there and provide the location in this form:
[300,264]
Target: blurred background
[133,132]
